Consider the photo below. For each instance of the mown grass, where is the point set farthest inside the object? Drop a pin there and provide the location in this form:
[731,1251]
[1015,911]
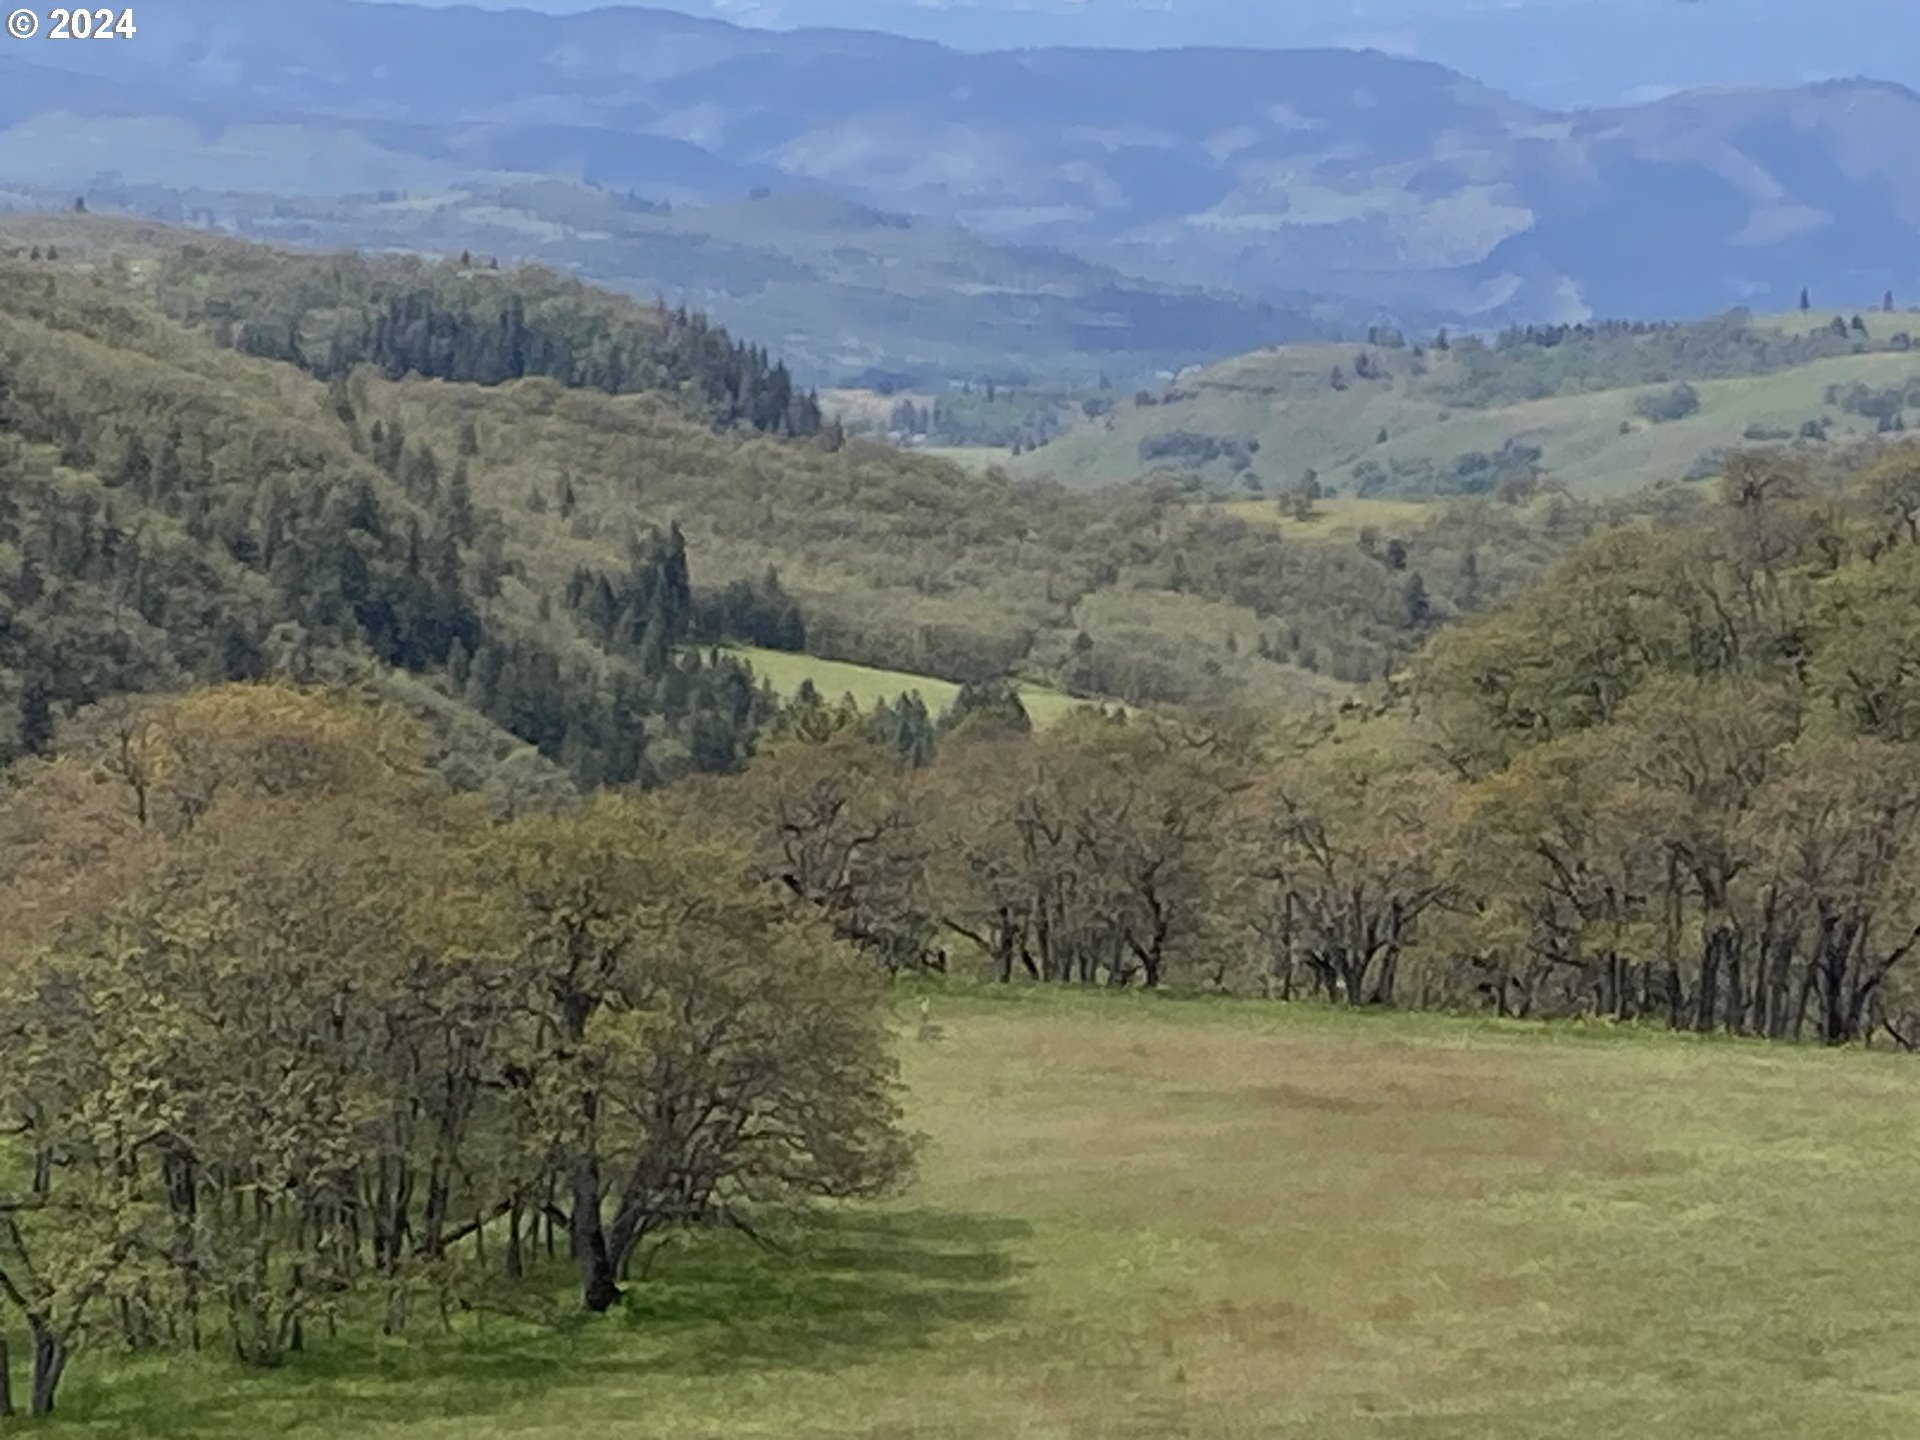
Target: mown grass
[869,685]
[1145,1217]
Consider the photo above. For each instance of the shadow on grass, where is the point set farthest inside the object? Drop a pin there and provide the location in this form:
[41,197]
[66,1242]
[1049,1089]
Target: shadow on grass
[839,1290]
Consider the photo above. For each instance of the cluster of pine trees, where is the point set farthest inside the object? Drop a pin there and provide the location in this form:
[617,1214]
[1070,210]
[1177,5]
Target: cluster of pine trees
[452,321]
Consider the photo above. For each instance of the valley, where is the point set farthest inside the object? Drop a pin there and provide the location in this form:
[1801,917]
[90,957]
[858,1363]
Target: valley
[860,201]
[717,728]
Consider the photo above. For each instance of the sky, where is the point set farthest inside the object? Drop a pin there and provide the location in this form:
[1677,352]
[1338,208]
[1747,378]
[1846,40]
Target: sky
[1555,52]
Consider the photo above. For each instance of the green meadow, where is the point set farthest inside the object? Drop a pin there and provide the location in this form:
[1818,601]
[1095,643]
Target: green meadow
[1160,1218]
[869,685]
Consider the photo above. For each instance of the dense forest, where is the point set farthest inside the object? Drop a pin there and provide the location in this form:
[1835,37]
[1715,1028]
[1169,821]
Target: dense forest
[171,517]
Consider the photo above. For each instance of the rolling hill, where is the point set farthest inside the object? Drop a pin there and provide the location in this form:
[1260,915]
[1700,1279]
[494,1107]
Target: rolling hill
[1397,185]
[841,291]
[515,500]
[1594,411]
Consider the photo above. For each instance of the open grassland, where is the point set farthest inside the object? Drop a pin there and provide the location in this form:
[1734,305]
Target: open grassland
[975,459]
[1340,517]
[869,686]
[1591,438]
[1164,1219]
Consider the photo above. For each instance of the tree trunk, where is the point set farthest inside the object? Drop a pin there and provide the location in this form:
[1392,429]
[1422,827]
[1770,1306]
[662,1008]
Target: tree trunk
[49,1362]
[1800,1001]
[1287,946]
[1713,955]
[6,1380]
[1003,946]
[599,1279]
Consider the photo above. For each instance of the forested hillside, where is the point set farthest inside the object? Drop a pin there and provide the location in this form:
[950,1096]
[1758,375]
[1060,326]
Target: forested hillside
[848,291]
[225,462]
[1665,780]
[1677,781]
[174,512]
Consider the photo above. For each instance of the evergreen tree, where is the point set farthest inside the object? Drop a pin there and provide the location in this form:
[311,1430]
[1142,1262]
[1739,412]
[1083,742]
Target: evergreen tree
[1413,595]
[990,703]
[35,721]
[457,508]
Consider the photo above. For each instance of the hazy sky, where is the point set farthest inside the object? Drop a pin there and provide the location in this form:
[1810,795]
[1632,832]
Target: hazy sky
[1551,51]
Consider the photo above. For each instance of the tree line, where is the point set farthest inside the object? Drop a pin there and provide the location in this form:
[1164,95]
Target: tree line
[456,321]
[297,1041]
[1677,783]
[1538,361]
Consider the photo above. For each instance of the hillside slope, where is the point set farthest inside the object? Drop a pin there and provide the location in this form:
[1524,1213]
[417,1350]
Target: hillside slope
[839,289]
[1596,411]
[224,461]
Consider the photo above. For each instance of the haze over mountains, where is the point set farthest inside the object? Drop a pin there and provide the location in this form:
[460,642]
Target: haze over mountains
[1550,52]
[1080,199]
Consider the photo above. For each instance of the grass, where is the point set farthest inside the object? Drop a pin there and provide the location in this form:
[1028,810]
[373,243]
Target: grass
[1282,399]
[1333,517]
[1148,1218]
[869,685]
[975,459]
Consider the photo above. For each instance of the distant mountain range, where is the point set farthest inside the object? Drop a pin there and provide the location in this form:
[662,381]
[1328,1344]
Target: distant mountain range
[1133,194]
[845,294]
[1550,52]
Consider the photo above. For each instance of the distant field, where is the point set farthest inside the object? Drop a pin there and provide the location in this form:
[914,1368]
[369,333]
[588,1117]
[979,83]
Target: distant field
[1591,440]
[869,686]
[1332,516]
[969,457]
[867,407]
[1152,1219]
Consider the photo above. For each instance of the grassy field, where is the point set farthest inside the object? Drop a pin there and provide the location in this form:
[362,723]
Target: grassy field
[1593,441]
[1333,516]
[1144,1218]
[975,459]
[869,686]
